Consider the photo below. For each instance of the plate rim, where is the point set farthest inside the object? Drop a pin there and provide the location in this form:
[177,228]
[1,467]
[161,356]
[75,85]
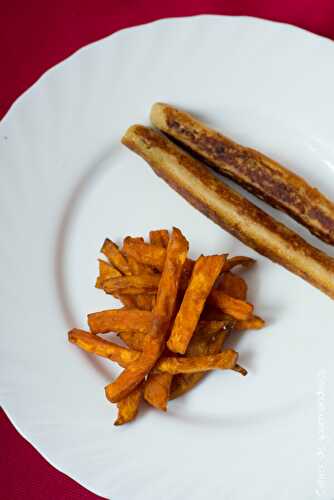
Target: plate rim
[15,106]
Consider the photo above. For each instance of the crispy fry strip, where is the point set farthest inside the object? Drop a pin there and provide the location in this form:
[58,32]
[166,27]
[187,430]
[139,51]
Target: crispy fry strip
[224,360]
[92,343]
[157,390]
[233,285]
[120,320]
[157,386]
[115,256]
[150,255]
[236,308]
[127,300]
[134,340]
[144,300]
[162,313]
[106,271]
[160,237]
[245,262]
[254,323]
[199,346]
[129,406]
[204,275]
[146,282]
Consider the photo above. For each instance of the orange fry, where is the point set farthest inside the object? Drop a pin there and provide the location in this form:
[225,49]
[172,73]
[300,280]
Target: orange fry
[200,345]
[160,237]
[151,255]
[254,323]
[236,308]
[204,275]
[162,313]
[211,327]
[224,360]
[92,343]
[129,406]
[157,390]
[233,285]
[145,301]
[106,271]
[238,261]
[120,320]
[146,282]
[127,300]
[115,256]
[134,340]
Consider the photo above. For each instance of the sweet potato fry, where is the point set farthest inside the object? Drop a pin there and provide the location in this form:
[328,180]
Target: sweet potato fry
[134,340]
[173,365]
[160,237]
[127,300]
[158,385]
[92,343]
[254,323]
[204,275]
[209,328]
[199,346]
[238,261]
[115,256]
[233,285]
[151,255]
[144,300]
[206,340]
[157,390]
[120,320]
[240,369]
[162,313]
[146,282]
[238,309]
[106,271]
[129,406]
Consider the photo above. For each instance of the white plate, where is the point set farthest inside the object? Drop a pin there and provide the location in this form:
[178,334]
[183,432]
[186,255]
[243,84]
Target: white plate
[66,183]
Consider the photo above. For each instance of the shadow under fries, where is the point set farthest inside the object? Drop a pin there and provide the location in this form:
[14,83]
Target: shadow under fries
[98,166]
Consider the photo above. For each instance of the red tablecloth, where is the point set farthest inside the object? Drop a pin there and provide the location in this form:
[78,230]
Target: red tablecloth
[35,36]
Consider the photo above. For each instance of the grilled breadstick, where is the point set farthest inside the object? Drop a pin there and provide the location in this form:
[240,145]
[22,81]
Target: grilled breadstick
[257,173]
[230,210]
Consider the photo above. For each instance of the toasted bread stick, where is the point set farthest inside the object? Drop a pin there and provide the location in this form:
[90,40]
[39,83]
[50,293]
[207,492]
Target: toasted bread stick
[257,173]
[227,208]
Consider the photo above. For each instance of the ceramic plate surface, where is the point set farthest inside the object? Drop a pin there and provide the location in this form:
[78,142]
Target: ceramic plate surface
[67,183]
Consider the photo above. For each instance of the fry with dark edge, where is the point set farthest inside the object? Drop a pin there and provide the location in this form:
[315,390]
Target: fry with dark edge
[230,210]
[131,377]
[257,173]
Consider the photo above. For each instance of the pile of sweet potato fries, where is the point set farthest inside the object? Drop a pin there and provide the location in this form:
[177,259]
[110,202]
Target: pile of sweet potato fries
[175,317]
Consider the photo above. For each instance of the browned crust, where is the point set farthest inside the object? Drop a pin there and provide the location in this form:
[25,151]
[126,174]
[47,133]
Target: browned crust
[251,169]
[230,210]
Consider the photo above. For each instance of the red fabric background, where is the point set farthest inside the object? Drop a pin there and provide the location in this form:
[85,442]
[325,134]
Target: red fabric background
[36,35]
